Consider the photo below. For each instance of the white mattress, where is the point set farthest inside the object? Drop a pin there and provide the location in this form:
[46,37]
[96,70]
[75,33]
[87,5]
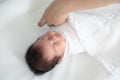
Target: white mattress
[18,29]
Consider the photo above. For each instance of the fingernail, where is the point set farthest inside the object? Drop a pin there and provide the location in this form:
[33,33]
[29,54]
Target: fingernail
[40,23]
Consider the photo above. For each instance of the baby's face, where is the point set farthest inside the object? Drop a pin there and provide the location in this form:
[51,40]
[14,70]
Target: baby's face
[52,44]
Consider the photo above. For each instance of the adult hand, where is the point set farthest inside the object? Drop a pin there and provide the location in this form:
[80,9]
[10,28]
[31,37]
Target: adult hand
[54,14]
[58,10]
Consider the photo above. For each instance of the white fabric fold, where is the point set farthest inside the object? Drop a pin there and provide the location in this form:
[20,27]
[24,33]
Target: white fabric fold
[100,34]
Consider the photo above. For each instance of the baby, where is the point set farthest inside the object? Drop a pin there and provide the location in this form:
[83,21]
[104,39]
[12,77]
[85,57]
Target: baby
[55,44]
[46,52]
[51,47]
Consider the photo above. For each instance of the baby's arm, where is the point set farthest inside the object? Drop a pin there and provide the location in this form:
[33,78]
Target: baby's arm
[58,10]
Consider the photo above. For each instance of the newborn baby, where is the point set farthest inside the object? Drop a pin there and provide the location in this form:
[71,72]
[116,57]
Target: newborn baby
[98,35]
[45,53]
[51,47]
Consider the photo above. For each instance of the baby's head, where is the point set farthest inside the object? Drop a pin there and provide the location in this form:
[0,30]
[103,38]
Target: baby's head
[46,52]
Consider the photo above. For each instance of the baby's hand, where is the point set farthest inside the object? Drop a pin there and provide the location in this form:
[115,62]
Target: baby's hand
[54,14]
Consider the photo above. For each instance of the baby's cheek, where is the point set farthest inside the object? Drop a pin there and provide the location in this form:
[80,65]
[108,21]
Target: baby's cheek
[63,46]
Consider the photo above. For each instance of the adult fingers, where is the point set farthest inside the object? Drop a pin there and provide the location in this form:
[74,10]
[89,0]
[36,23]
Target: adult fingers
[42,22]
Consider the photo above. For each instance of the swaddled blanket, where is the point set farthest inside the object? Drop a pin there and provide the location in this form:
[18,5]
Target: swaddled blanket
[100,34]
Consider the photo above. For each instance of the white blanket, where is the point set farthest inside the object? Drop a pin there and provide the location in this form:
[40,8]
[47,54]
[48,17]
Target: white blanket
[18,29]
[100,33]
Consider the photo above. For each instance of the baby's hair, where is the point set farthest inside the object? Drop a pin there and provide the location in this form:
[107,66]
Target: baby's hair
[36,61]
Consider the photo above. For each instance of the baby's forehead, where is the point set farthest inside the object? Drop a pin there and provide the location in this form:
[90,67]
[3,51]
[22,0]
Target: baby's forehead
[48,52]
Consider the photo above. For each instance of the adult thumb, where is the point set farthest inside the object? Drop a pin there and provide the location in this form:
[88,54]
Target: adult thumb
[41,22]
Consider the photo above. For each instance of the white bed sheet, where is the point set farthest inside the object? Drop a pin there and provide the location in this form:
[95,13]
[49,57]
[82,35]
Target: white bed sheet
[18,29]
